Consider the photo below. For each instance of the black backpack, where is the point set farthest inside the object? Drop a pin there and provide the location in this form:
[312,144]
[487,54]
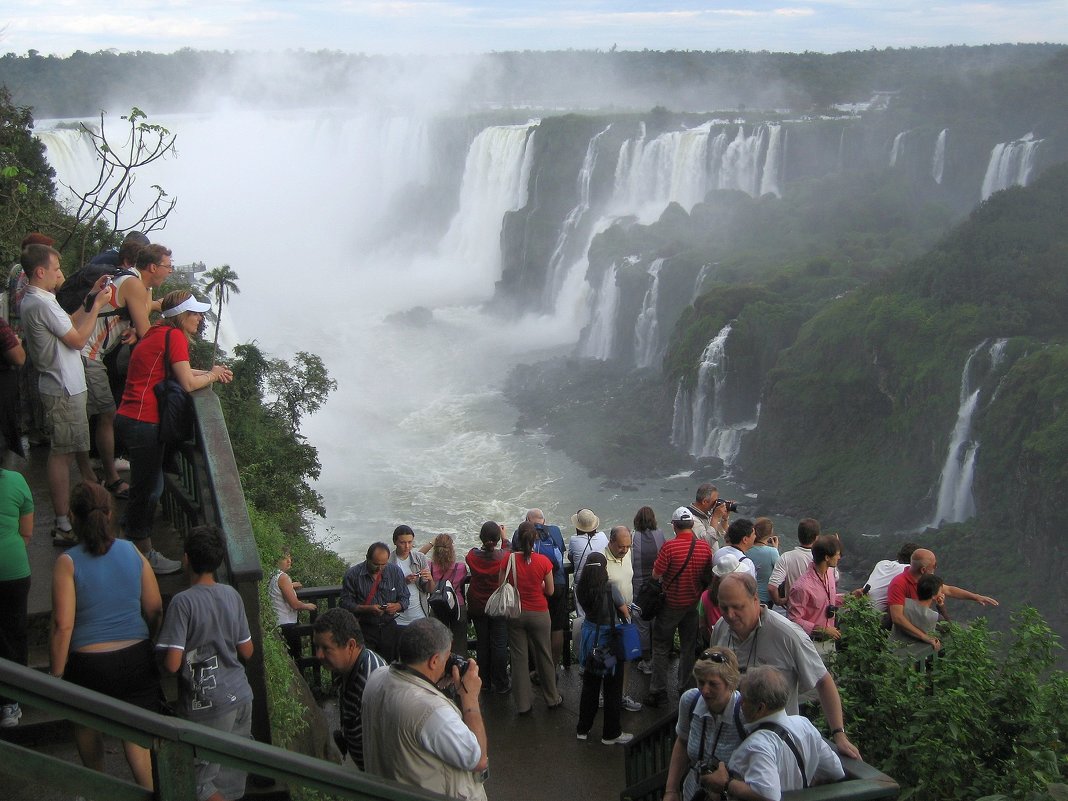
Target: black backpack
[443,603]
[72,294]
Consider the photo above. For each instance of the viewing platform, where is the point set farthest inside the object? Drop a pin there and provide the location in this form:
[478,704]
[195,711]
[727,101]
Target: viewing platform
[534,757]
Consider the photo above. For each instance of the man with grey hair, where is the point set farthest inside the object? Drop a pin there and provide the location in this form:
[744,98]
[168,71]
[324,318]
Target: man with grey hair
[709,516]
[621,575]
[761,637]
[413,733]
[782,752]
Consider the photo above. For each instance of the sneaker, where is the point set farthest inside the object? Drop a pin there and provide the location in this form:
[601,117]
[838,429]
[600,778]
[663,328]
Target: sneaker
[122,464]
[10,714]
[646,667]
[656,699]
[161,565]
[631,705]
[600,702]
[63,539]
[582,736]
[623,738]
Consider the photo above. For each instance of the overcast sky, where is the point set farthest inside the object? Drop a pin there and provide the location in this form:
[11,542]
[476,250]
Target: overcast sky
[471,26]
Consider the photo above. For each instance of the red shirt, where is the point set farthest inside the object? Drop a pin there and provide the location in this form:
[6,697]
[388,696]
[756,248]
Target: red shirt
[902,587]
[683,591]
[146,370]
[530,579]
[485,576]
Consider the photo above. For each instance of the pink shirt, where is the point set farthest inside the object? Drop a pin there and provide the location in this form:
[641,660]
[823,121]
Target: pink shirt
[810,596]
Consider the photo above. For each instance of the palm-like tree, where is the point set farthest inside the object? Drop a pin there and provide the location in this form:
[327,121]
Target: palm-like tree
[222,282]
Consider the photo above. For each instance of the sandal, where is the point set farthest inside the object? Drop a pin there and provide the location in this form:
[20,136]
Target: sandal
[121,494]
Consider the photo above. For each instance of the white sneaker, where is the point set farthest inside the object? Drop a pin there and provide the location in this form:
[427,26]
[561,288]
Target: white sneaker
[122,464]
[161,565]
[631,705]
[623,738]
[646,667]
[581,736]
[9,716]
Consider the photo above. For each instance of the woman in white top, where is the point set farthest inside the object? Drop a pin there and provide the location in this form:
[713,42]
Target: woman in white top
[286,604]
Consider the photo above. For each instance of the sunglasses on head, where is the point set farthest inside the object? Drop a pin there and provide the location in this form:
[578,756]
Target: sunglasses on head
[714,656]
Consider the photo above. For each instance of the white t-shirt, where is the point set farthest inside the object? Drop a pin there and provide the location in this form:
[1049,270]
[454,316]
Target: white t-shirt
[879,581]
[43,323]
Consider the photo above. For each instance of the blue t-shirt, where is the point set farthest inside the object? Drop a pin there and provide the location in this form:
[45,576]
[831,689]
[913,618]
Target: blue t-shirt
[107,590]
[764,558]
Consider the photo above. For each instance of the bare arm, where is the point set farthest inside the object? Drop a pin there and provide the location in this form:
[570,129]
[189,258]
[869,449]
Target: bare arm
[63,607]
[967,595]
[831,702]
[151,602]
[677,767]
[135,295]
[285,584]
[547,586]
[172,659]
[26,527]
[468,689]
[244,650]
[83,321]
[901,621]
[192,380]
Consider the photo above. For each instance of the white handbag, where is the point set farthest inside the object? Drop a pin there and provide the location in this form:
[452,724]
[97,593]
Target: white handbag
[504,601]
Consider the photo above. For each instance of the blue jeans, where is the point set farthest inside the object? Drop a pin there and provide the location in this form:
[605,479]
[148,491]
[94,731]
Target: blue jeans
[146,474]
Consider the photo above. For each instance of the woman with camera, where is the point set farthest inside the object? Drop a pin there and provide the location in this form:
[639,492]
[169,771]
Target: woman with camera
[709,726]
[814,597]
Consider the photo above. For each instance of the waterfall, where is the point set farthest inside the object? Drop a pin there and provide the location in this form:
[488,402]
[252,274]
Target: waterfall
[557,274]
[496,175]
[938,161]
[646,333]
[955,500]
[651,174]
[898,147]
[771,180]
[1010,164]
[681,419]
[740,165]
[600,338]
[702,276]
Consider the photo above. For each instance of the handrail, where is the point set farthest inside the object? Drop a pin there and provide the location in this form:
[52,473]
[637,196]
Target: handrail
[174,742]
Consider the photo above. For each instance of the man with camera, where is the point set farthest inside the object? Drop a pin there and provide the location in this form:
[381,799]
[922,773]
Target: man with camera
[375,591]
[413,732]
[761,637]
[339,647]
[710,515]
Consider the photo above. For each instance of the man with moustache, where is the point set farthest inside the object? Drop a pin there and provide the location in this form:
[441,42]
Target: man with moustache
[761,637]
[376,592]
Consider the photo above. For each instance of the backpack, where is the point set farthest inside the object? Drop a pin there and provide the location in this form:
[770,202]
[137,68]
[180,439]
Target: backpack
[443,603]
[72,294]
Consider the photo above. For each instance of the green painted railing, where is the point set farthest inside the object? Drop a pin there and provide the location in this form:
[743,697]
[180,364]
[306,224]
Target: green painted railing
[174,743]
[647,756]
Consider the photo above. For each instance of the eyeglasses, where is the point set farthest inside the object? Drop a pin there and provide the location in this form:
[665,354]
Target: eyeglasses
[714,656]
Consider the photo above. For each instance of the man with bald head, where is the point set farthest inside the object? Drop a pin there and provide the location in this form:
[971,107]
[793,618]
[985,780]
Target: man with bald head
[922,563]
[760,637]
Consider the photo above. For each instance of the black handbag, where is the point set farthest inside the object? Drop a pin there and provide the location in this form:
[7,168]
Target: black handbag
[175,405]
[651,596]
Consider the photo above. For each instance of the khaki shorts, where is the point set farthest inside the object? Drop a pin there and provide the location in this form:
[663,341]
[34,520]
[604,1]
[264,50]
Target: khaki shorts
[66,423]
[100,400]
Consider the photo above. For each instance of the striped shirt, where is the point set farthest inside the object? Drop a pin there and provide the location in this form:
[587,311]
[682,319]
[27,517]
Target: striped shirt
[683,591]
[350,701]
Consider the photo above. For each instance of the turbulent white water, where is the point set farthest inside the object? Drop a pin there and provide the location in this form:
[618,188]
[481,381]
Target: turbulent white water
[600,339]
[898,147]
[647,328]
[1010,164]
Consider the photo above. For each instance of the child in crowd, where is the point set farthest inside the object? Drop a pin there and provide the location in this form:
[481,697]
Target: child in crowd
[205,638]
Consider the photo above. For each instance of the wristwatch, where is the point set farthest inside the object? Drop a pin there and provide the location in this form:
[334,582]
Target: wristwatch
[839,730]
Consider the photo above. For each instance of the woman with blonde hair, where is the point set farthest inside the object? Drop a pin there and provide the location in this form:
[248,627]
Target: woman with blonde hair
[163,350]
[710,723]
[443,565]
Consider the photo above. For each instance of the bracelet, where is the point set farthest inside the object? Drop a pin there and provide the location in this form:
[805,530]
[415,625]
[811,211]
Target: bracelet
[839,730]
[725,794]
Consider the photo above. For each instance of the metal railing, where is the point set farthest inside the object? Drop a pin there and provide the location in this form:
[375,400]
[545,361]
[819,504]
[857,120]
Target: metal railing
[174,743]
[647,756]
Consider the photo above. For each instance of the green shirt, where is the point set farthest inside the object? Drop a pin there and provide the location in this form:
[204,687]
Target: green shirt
[15,501]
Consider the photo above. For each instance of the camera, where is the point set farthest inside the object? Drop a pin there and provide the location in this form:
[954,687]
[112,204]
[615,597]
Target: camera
[832,610]
[732,506]
[455,660]
[383,607]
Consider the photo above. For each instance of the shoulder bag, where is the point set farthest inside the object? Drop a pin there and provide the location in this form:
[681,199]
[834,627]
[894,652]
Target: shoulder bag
[651,595]
[174,404]
[504,601]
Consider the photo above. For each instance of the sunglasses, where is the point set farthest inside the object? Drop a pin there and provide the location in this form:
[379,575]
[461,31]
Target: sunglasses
[713,656]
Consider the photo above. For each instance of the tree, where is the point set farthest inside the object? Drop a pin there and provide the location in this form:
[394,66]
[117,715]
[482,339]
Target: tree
[301,387]
[221,281]
[109,198]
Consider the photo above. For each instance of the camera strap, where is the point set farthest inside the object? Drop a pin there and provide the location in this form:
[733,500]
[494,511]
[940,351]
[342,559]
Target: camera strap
[786,738]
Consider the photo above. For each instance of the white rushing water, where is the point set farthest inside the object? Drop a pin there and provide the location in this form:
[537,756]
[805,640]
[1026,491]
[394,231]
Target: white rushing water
[938,160]
[956,502]
[646,327]
[1010,164]
[304,207]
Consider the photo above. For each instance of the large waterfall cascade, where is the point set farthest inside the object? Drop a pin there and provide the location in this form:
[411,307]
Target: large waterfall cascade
[1011,164]
[599,340]
[956,502]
